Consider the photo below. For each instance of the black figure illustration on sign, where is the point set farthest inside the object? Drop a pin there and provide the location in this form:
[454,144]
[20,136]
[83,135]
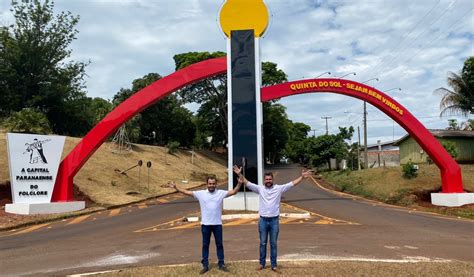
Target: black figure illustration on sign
[38,146]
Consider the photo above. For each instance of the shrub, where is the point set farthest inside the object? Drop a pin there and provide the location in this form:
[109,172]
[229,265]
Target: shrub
[410,170]
[172,147]
[28,120]
[451,147]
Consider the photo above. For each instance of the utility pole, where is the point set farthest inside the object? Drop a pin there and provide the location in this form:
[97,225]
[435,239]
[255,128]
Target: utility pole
[314,132]
[366,157]
[358,148]
[326,117]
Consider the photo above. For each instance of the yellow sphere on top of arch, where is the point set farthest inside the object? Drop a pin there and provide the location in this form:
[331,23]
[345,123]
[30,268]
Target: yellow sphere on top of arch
[244,15]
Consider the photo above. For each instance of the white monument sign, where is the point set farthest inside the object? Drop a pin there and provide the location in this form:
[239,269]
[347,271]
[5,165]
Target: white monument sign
[34,162]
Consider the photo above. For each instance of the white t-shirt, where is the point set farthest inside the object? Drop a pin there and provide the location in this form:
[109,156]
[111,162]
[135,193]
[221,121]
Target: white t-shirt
[269,205]
[211,205]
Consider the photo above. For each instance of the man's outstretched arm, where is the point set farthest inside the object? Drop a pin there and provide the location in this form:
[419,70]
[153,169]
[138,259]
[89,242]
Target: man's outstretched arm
[238,171]
[305,173]
[237,188]
[183,191]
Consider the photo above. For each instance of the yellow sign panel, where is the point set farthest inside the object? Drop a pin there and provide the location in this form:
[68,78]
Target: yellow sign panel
[244,15]
[320,85]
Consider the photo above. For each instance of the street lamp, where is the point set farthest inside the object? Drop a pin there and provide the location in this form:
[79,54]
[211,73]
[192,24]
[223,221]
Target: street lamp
[327,72]
[393,122]
[353,73]
[376,79]
[399,89]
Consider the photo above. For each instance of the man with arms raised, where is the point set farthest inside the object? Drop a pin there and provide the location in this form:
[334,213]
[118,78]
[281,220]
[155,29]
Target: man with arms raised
[210,201]
[269,211]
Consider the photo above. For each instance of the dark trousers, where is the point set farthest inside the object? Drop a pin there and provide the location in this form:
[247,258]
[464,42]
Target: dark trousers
[268,227]
[206,231]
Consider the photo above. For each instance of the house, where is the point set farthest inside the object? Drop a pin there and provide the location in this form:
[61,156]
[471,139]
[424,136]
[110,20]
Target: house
[464,141]
[382,154]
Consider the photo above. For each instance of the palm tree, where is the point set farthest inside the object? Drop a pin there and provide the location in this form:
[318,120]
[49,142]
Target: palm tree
[459,100]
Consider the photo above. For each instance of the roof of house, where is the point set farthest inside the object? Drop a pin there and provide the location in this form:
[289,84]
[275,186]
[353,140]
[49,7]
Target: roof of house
[440,133]
[391,142]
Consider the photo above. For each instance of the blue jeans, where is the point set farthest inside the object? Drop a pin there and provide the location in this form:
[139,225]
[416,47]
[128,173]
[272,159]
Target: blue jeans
[206,231]
[268,226]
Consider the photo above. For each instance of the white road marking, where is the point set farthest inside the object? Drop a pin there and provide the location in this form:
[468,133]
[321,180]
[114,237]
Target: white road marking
[119,259]
[311,257]
[391,247]
[93,273]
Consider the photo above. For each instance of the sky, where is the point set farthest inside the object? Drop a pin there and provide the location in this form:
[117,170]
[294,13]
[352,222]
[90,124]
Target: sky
[406,44]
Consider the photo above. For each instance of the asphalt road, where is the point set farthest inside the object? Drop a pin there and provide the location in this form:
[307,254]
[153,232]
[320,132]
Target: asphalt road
[348,229]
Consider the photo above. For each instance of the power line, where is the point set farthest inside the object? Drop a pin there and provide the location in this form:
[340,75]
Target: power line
[438,37]
[390,63]
[377,66]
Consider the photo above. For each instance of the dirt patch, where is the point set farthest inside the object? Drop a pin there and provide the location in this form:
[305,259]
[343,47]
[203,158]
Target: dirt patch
[80,196]
[5,194]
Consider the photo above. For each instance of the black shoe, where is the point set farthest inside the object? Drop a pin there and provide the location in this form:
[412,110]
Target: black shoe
[223,268]
[204,270]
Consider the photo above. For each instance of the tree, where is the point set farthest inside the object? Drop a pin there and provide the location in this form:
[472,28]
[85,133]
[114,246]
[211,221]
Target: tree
[275,131]
[214,90]
[160,123]
[451,148]
[208,125]
[99,109]
[325,147]
[468,72]
[352,156]
[453,124]
[295,148]
[28,120]
[211,90]
[271,75]
[460,99]
[34,68]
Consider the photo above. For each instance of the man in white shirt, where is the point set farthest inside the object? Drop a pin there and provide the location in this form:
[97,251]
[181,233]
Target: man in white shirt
[269,211]
[210,201]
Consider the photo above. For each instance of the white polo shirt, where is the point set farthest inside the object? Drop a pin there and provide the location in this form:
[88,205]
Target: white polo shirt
[211,205]
[269,205]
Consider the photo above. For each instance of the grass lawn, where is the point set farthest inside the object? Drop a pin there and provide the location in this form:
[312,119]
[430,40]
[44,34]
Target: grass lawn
[389,186]
[311,268]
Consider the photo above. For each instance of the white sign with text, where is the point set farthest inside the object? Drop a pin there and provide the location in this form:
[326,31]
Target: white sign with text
[34,162]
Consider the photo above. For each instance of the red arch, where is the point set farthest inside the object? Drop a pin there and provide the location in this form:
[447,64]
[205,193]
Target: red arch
[63,188]
[450,171]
